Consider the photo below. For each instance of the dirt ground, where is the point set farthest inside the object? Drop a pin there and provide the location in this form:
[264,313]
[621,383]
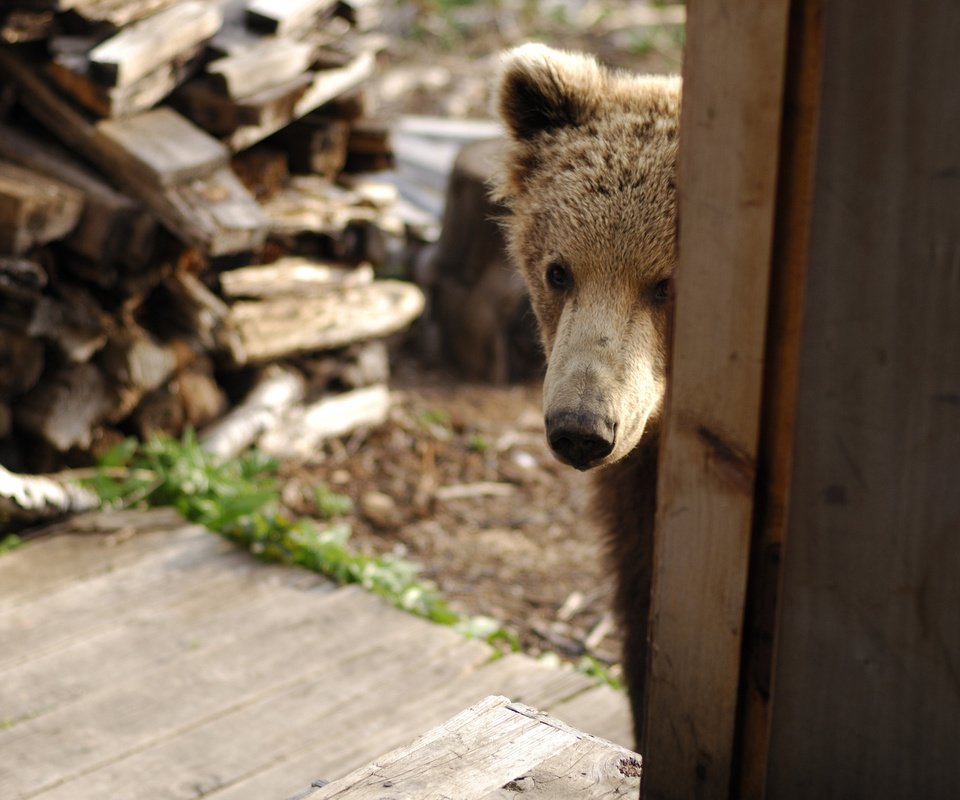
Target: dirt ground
[461,479]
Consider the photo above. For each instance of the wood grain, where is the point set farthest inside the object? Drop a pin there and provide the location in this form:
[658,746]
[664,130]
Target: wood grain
[729,154]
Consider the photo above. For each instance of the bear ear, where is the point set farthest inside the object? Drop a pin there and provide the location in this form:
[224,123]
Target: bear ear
[542,89]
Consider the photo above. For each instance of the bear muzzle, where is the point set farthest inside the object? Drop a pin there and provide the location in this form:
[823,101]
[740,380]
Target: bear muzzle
[580,439]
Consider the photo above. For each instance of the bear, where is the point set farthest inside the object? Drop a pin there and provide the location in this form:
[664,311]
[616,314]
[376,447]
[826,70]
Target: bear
[588,180]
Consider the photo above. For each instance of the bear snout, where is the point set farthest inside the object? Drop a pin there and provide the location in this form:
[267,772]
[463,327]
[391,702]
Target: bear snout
[580,439]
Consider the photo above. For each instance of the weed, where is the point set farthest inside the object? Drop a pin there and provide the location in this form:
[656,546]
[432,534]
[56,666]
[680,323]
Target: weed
[9,543]
[329,504]
[478,443]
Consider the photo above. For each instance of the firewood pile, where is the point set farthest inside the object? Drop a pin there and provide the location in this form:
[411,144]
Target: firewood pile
[190,225]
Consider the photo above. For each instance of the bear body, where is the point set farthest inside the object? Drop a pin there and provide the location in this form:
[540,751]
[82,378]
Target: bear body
[589,179]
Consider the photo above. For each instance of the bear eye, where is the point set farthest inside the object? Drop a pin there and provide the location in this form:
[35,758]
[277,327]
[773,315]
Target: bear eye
[559,277]
[661,291]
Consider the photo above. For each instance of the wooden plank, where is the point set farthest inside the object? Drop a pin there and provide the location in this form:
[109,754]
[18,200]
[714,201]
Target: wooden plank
[117,13]
[495,749]
[729,153]
[71,72]
[266,64]
[344,315]
[67,557]
[263,657]
[600,710]
[206,616]
[369,733]
[143,47]
[865,684]
[781,375]
[285,16]
[163,147]
[273,721]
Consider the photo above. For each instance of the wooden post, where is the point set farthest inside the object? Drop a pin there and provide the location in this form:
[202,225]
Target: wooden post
[729,156]
[866,698]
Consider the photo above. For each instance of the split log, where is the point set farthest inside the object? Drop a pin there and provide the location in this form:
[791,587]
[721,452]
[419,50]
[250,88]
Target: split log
[118,13]
[244,123]
[21,362]
[214,213]
[316,145]
[264,65]
[34,209]
[291,276]
[196,314]
[311,204]
[135,364]
[304,428]
[112,227]
[201,397]
[354,367]
[282,17]
[24,25]
[33,498]
[71,72]
[278,389]
[161,147]
[65,406]
[145,46]
[346,314]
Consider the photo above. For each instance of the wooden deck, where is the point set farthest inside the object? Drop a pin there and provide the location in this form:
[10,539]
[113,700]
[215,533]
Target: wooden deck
[143,658]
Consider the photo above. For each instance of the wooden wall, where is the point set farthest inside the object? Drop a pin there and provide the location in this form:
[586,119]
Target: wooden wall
[805,624]
[866,693]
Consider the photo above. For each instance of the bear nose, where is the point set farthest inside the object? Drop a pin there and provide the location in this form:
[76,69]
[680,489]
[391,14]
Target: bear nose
[580,439]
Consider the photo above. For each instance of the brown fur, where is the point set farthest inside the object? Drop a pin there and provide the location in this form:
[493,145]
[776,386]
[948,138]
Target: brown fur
[589,179]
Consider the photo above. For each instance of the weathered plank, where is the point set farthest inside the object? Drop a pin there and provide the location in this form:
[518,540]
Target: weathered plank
[162,147]
[265,64]
[345,314]
[729,154]
[71,72]
[285,16]
[118,13]
[495,749]
[145,46]
[292,275]
[866,700]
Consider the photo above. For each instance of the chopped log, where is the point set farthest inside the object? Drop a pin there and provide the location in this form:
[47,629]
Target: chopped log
[201,397]
[135,363]
[293,275]
[245,123]
[311,204]
[266,64]
[144,46]
[264,170]
[32,498]
[21,362]
[75,323]
[277,389]
[112,227]
[65,406]
[282,17]
[162,147]
[160,411]
[34,209]
[215,213]
[316,145]
[304,428]
[117,13]
[71,72]
[346,314]
[196,313]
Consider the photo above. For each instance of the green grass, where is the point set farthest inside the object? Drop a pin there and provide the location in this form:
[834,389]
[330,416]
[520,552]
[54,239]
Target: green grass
[9,543]
[240,499]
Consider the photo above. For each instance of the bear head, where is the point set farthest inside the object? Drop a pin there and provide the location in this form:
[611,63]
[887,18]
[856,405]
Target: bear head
[588,177]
